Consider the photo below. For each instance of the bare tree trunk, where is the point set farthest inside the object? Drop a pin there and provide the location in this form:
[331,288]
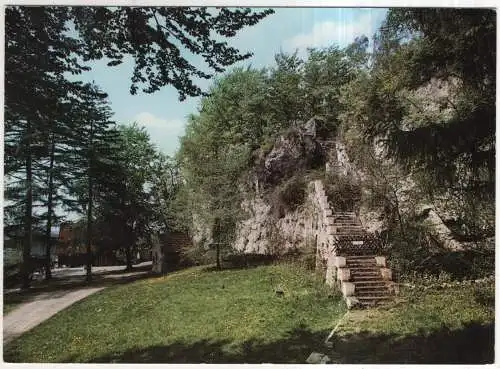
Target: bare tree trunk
[400,219]
[217,246]
[128,256]
[28,236]
[48,273]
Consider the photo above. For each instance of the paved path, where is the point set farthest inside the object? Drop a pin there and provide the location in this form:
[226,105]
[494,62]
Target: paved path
[30,314]
[43,305]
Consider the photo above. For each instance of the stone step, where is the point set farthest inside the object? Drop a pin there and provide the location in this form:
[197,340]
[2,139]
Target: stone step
[361,261]
[374,297]
[370,283]
[365,286]
[345,228]
[346,218]
[360,257]
[363,278]
[346,224]
[365,274]
[367,290]
[350,234]
[362,266]
[374,269]
[353,235]
[349,237]
[365,262]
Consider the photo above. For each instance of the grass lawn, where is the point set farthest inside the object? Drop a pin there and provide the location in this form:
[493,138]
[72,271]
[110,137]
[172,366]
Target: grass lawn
[235,316]
[196,315]
[454,325]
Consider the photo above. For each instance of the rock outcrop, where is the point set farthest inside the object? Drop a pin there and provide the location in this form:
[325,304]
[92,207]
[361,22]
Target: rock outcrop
[296,150]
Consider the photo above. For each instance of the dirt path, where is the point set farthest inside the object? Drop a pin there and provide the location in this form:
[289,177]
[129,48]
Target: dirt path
[43,306]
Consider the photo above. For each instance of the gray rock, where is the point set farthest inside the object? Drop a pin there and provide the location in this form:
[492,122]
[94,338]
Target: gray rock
[352,302]
[318,358]
[291,152]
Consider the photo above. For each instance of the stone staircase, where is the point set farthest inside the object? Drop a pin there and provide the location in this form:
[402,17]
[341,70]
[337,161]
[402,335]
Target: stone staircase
[370,288]
[364,277]
[353,257]
[347,224]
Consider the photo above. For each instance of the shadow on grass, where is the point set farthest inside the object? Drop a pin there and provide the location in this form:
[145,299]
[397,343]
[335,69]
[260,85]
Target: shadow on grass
[473,344]
[293,349]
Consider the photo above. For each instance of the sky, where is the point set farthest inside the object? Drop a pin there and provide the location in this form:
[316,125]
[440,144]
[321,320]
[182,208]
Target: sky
[288,29]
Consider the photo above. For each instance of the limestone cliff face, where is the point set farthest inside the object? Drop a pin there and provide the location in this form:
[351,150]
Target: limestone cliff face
[306,227]
[264,231]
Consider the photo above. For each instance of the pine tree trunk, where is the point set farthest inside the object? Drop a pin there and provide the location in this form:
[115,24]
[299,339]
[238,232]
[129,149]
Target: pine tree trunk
[89,209]
[26,266]
[48,273]
[128,250]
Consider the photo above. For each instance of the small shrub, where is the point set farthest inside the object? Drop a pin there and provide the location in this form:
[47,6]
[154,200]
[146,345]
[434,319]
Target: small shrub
[417,256]
[307,259]
[485,295]
[288,196]
[293,192]
[305,256]
[266,147]
[196,255]
[344,193]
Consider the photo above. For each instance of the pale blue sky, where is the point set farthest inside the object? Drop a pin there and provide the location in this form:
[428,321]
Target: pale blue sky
[164,116]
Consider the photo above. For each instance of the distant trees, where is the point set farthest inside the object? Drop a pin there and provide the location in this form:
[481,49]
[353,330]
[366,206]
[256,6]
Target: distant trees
[136,203]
